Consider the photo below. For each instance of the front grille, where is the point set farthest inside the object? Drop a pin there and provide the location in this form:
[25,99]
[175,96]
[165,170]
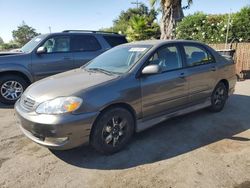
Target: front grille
[27,103]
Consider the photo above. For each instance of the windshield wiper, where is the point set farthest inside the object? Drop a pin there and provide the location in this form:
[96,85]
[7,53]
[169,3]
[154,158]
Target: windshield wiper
[101,70]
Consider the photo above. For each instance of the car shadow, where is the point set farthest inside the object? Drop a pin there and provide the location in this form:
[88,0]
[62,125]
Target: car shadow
[169,139]
[3,106]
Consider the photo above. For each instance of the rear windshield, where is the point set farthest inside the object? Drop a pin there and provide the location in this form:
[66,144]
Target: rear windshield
[115,40]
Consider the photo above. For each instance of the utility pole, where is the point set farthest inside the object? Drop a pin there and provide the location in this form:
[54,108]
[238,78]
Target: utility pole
[49,29]
[137,3]
[228,26]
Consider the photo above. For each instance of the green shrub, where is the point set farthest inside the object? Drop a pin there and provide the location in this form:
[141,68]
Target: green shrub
[213,28]
[241,25]
[9,46]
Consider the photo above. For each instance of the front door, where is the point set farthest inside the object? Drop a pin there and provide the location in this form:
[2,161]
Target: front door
[57,59]
[167,91]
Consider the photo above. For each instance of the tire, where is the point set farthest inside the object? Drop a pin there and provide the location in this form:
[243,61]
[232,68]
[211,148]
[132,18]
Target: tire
[11,88]
[112,130]
[219,98]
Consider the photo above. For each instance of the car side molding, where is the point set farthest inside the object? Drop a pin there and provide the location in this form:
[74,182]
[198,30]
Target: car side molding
[145,124]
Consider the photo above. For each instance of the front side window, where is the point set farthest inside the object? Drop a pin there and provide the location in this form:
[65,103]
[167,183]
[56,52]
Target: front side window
[168,58]
[57,44]
[85,43]
[196,56]
[119,59]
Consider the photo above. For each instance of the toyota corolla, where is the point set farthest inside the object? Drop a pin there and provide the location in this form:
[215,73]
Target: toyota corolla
[125,90]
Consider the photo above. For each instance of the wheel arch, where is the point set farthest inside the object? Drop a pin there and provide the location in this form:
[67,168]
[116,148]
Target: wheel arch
[121,105]
[17,73]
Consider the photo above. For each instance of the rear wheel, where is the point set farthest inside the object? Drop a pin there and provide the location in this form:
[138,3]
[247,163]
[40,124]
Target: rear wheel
[11,88]
[219,98]
[112,130]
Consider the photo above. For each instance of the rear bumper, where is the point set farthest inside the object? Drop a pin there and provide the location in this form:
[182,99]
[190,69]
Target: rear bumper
[59,132]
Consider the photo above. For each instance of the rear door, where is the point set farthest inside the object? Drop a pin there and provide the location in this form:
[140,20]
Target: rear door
[85,48]
[167,91]
[201,72]
[57,59]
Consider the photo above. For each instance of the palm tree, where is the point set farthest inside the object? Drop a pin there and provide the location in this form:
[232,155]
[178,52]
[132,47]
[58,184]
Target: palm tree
[142,28]
[172,12]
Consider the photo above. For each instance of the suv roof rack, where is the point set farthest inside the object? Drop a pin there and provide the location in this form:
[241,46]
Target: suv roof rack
[88,31]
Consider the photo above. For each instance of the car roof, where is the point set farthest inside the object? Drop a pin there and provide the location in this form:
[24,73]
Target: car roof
[160,42]
[87,33]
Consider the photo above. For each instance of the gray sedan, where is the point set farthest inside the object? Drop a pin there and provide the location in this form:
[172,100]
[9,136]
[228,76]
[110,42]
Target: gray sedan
[125,90]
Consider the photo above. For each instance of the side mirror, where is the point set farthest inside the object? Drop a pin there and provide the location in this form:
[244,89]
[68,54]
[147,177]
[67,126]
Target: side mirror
[151,69]
[41,50]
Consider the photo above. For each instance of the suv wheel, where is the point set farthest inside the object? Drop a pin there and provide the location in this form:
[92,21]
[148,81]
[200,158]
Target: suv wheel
[219,98]
[11,88]
[112,130]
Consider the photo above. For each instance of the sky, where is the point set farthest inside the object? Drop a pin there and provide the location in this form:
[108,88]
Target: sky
[82,14]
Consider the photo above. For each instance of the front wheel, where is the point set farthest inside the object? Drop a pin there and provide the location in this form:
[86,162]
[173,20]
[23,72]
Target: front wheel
[11,88]
[112,130]
[218,98]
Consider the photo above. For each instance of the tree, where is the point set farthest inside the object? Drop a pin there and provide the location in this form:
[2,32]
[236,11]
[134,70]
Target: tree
[121,23]
[241,25]
[172,12]
[1,41]
[142,28]
[24,33]
[134,20]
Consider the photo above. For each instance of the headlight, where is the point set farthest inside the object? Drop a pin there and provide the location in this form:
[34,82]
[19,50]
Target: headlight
[59,105]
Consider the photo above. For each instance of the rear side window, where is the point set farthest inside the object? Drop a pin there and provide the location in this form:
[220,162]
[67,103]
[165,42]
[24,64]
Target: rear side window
[85,43]
[114,40]
[196,56]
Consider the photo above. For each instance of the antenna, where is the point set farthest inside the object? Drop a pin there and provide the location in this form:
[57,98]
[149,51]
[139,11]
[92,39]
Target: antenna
[137,3]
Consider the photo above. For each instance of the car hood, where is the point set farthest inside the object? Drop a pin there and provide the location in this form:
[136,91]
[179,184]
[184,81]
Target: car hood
[10,53]
[66,84]
[14,57]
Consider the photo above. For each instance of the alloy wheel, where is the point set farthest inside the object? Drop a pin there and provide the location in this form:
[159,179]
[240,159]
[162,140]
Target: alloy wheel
[11,90]
[219,96]
[114,131]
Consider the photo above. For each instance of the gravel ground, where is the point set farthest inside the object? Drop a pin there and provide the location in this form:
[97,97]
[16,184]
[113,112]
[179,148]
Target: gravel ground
[200,149]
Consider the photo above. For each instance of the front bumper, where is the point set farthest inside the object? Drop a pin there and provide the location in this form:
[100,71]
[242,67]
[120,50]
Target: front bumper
[59,132]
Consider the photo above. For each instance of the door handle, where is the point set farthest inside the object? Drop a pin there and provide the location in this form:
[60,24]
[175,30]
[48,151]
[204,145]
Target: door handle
[182,75]
[213,68]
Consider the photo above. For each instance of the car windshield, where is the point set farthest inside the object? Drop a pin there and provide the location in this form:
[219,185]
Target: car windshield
[118,60]
[28,47]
